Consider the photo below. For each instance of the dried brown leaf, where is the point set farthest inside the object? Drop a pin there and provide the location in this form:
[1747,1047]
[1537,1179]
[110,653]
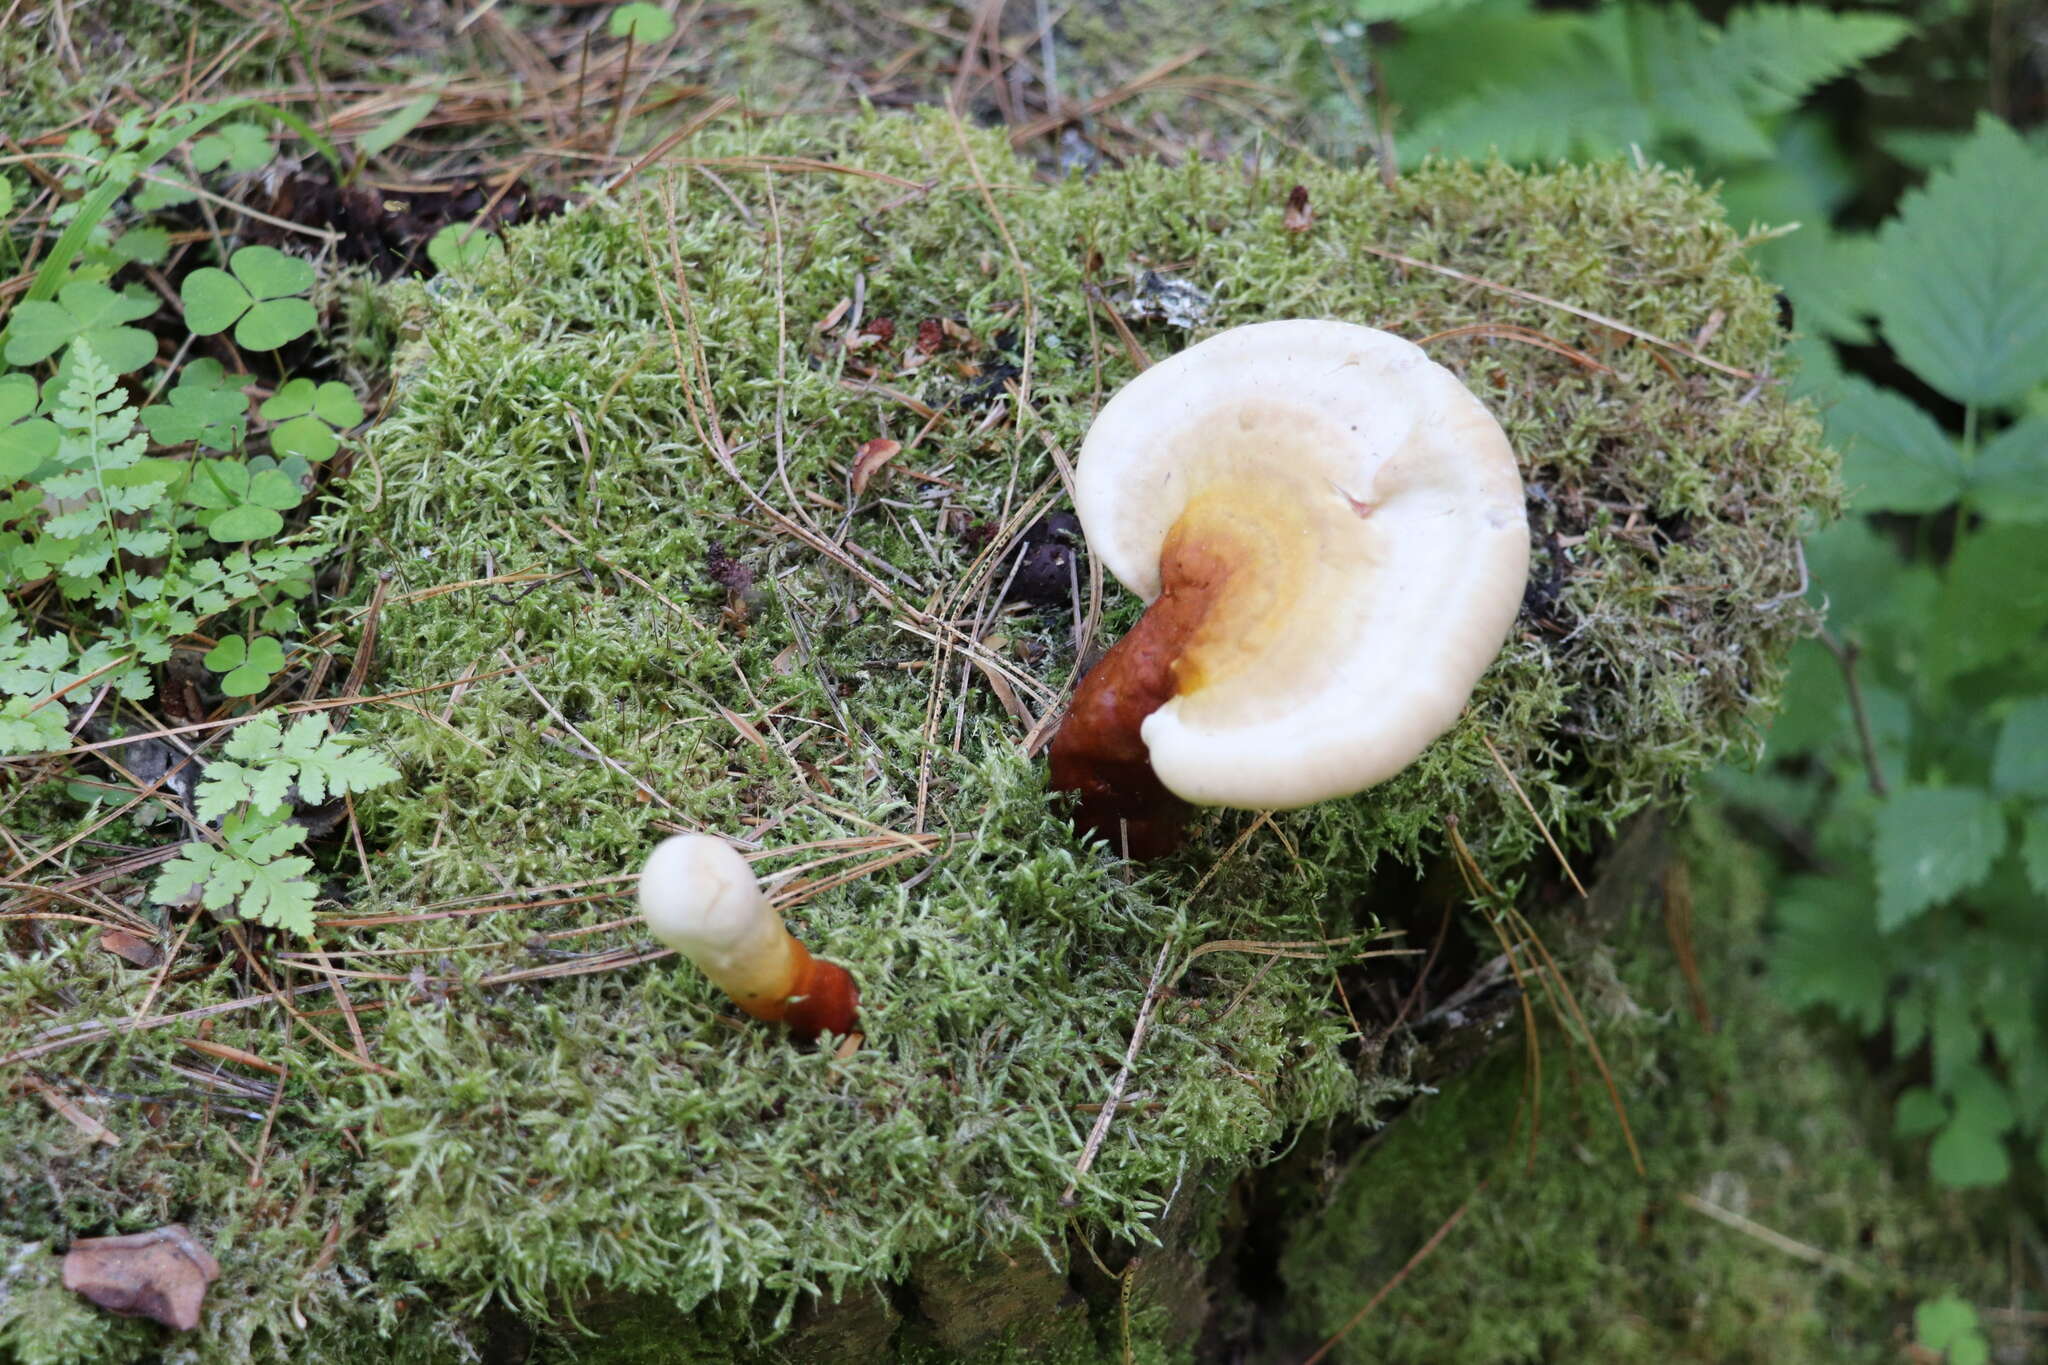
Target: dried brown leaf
[161,1274]
[869,460]
[1299,217]
[130,948]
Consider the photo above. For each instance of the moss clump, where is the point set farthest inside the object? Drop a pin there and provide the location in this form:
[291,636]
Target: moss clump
[546,1129]
[1572,1257]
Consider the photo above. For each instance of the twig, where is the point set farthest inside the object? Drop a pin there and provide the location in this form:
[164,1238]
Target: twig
[1813,1255]
[1846,653]
[1123,1076]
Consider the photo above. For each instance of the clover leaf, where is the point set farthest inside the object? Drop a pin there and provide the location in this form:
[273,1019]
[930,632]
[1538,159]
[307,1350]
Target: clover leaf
[643,23]
[1949,1325]
[83,308]
[308,416]
[241,147]
[245,502]
[204,407]
[459,246]
[258,298]
[248,664]
[24,445]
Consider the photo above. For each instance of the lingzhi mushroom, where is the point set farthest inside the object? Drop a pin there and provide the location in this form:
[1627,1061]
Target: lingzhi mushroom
[1329,529]
[700,898]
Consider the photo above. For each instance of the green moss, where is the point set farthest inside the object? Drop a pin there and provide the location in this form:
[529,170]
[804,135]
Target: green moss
[612,1131]
[1572,1257]
[612,1137]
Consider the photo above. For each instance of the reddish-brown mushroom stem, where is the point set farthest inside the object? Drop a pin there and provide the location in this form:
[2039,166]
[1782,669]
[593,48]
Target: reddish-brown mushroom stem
[823,999]
[1099,752]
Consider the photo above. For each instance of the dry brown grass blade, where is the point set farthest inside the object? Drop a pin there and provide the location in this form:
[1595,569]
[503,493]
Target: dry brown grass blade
[77,1035]
[697,122]
[1532,1046]
[63,1106]
[1554,981]
[1588,314]
[1137,85]
[1508,331]
[1678,927]
[1530,807]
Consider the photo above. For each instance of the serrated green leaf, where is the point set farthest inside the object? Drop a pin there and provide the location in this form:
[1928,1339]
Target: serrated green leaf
[1962,272]
[263,759]
[1784,51]
[1895,458]
[270,273]
[162,189]
[250,873]
[402,121]
[1828,278]
[1993,602]
[2034,848]
[273,322]
[28,729]
[2009,479]
[307,437]
[2019,763]
[144,245]
[213,300]
[1933,843]
[1624,75]
[1918,1112]
[1825,950]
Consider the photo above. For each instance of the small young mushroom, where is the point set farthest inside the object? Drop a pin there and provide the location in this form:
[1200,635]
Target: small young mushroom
[699,897]
[1329,529]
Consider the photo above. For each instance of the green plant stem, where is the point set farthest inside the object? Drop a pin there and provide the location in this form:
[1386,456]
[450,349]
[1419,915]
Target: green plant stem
[99,478]
[1846,653]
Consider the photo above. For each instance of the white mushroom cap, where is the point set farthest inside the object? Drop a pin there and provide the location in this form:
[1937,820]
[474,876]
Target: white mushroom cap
[1370,512]
[700,898]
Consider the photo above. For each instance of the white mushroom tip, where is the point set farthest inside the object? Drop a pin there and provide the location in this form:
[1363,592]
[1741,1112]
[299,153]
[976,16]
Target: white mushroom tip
[699,896]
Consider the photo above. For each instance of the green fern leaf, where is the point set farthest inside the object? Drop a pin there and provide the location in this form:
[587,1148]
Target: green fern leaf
[1778,53]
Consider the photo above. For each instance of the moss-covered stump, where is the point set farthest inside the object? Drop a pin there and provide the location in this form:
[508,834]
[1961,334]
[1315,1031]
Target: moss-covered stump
[1770,1227]
[633,588]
